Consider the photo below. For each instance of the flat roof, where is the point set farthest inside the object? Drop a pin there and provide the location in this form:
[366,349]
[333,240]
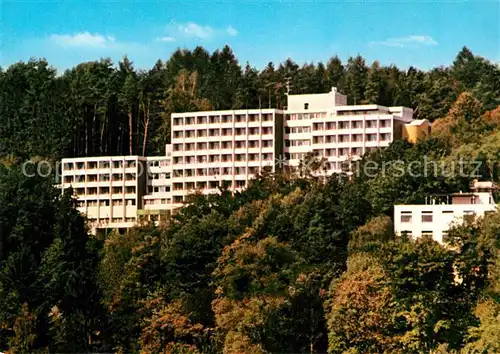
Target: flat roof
[103,158]
[231,111]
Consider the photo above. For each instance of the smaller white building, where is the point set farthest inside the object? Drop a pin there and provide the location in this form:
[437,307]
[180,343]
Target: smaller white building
[441,212]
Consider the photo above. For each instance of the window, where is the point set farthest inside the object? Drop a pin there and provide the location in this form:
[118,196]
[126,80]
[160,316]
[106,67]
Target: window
[267,130]
[253,157]
[469,215]
[406,233]
[239,170]
[385,123]
[213,171]
[330,152]
[240,131]
[371,124]
[371,137]
[318,126]
[330,139]
[130,190]
[357,137]
[343,138]
[357,125]
[406,216]
[240,145]
[267,143]
[201,172]
[306,105]
[317,140]
[356,151]
[302,142]
[427,233]
[343,125]
[343,152]
[427,216]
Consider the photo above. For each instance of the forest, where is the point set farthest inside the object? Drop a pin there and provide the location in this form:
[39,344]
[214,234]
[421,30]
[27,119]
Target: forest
[292,264]
[99,109]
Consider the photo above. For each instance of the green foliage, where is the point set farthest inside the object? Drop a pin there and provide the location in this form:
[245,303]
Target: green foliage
[373,234]
[47,265]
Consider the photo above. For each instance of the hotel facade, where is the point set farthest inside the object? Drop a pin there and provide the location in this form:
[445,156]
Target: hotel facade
[228,148]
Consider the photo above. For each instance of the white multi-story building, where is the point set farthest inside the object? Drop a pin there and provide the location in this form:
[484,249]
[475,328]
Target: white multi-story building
[216,148]
[113,191]
[326,126]
[439,213]
[211,149]
[108,189]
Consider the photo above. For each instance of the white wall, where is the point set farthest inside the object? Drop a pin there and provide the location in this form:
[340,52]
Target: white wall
[317,102]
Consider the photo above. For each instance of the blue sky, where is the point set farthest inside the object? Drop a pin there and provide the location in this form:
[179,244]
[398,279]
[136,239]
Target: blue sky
[423,34]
